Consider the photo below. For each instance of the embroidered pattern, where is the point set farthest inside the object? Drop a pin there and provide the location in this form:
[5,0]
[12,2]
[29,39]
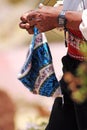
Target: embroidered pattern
[43,75]
[37,73]
[74,43]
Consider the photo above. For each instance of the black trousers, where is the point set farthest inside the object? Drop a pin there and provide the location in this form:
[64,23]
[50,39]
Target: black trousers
[68,116]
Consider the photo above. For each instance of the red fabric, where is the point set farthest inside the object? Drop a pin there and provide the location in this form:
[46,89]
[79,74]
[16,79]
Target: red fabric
[76,33]
[75,53]
[73,50]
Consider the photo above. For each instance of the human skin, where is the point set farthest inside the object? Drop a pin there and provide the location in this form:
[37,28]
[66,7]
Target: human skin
[45,18]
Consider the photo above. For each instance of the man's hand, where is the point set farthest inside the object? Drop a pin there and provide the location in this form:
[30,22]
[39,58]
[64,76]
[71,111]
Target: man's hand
[24,24]
[44,18]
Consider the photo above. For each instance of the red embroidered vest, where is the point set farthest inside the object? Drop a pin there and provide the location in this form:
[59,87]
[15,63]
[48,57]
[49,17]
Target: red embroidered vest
[75,39]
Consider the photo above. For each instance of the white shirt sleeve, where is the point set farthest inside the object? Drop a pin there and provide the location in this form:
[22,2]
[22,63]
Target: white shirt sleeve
[83,25]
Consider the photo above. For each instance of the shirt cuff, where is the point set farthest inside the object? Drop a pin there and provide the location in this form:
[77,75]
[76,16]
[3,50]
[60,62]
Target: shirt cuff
[83,25]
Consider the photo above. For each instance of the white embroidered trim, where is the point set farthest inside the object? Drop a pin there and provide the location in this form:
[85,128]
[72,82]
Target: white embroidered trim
[44,74]
[81,58]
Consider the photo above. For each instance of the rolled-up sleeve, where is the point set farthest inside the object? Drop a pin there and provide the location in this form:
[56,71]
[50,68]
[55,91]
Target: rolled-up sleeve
[83,25]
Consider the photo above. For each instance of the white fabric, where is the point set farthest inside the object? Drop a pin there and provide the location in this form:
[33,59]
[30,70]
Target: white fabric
[74,5]
[83,25]
[78,5]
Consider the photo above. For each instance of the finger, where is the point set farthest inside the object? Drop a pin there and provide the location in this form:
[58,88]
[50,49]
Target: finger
[27,25]
[23,18]
[36,18]
[33,15]
[24,25]
[30,31]
[34,22]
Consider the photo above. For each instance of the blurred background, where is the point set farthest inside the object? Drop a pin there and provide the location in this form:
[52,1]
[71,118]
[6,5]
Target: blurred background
[24,110]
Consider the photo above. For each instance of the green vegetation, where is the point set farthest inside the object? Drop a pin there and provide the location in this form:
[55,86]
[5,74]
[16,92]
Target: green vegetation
[78,84]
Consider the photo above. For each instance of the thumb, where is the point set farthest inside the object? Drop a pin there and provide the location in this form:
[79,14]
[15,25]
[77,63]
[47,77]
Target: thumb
[40,5]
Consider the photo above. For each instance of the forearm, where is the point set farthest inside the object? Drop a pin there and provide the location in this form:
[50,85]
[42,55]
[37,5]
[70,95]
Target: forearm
[46,18]
[74,19]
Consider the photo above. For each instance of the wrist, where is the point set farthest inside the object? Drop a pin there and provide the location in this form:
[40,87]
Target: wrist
[62,19]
